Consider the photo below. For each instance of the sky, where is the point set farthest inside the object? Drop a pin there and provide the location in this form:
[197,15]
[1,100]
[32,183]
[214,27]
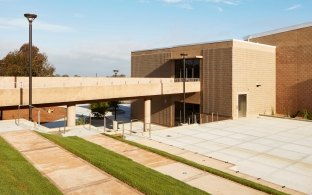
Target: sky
[90,38]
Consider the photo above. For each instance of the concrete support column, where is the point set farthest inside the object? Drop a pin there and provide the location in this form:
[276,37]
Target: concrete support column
[147,114]
[115,125]
[71,115]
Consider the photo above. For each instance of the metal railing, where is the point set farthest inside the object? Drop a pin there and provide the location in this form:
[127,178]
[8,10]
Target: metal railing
[214,117]
[38,116]
[187,79]
[190,119]
[131,125]
[149,129]
[78,82]
[105,119]
[123,127]
[92,114]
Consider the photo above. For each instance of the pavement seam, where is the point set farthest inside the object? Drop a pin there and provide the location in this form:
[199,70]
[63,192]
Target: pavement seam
[43,148]
[195,177]
[228,170]
[86,163]
[87,185]
[191,178]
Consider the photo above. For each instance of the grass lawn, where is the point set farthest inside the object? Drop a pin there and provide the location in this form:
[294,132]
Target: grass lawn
[211,170]
[136,175]
[17,176]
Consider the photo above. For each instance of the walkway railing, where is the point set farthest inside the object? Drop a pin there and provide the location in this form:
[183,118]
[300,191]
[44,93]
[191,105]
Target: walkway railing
[212,117]
[187,79]
[46,82]
[38,116]
[105,119]
[149,129]
[131,125]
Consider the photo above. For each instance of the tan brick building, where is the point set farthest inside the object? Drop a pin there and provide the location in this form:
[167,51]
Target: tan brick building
[237,79]
[293,66]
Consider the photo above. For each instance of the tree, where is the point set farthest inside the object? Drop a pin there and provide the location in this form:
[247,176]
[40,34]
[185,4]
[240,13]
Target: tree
[99,107]
[115,105]
[16,63]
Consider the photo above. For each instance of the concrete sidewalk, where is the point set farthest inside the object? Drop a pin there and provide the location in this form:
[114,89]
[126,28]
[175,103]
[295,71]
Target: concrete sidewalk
[69,173]
[276,150]
[209,162]
[190,175]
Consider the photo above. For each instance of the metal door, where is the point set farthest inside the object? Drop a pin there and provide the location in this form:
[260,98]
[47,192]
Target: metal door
[242,105]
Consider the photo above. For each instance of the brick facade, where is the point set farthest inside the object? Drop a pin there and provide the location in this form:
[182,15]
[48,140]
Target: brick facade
[227,69]
[294,69]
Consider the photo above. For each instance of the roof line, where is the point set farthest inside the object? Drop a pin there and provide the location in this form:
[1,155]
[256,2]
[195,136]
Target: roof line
[280,30]
[184,45]
[193,44]
[254,43]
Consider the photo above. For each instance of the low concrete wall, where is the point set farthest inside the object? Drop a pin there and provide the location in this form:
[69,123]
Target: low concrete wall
[66,94]
[43,82]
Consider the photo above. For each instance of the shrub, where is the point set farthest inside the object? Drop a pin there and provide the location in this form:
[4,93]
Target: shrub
[80,121]
[272,111]
[294,115]
[306,114]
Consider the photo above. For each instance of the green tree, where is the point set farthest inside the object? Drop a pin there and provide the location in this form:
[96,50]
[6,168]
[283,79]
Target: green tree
[115,106]
[99,107]
[16,63]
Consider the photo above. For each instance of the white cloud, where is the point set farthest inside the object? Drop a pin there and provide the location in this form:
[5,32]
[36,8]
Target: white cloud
[11,23]
[293,7]
[89,58]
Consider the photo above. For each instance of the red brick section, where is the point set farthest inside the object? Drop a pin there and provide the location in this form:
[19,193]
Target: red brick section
[293,69]
[47,114]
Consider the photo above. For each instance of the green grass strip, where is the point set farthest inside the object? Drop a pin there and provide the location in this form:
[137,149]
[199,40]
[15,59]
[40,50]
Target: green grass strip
[136,175]
[211,170]
[18,176]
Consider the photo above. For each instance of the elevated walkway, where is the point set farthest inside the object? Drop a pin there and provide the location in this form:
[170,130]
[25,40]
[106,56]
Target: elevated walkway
[62,91]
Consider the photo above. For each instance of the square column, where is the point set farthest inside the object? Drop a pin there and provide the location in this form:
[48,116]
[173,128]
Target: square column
[71,115]
[147,114]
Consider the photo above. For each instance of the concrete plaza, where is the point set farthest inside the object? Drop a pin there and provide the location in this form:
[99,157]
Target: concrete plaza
[276,150]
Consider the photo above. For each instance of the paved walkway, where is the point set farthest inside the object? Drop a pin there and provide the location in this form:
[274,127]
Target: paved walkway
[192,176]
[69,173]
[275,150]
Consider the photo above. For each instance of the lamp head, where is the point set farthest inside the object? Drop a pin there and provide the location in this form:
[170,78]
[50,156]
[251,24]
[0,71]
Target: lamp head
[30,17]
[183,54]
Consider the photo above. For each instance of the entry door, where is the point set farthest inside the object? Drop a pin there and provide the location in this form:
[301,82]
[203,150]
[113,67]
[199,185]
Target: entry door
[242,105]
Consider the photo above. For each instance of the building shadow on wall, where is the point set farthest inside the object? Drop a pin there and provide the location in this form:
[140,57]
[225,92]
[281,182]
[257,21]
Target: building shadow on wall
[304,95]
[163,71]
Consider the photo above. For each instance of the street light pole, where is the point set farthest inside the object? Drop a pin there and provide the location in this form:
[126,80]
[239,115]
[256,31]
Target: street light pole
[183,56]
[30,18]
[115,72]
